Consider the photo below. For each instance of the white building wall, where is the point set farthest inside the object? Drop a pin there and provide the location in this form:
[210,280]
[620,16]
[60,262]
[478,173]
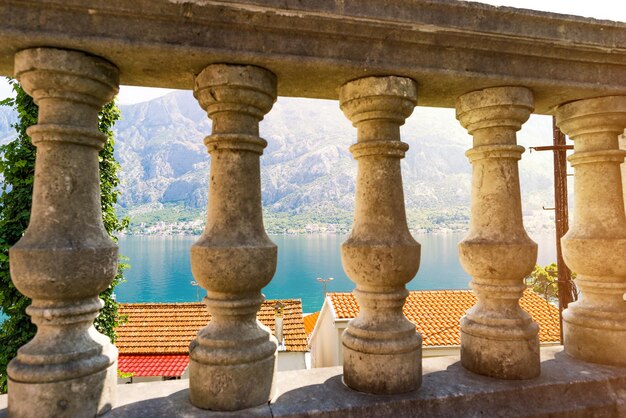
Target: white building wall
[139,379]
[440,351]
[340,327]
[326,348]
[324,340]
[291,360]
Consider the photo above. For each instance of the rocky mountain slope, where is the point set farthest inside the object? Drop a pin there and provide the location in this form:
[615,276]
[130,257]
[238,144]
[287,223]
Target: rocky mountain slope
[307,170]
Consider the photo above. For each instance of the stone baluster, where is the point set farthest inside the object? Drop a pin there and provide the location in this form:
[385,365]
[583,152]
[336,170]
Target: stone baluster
[594,327]
[233,359]
[381,348]
[65,258]
[622,146]
[498,338]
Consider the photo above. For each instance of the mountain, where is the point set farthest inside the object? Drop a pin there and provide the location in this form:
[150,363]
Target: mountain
[7,118]
[308,173]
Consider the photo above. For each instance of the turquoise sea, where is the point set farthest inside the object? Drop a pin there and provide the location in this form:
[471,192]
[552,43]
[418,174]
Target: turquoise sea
[160,270]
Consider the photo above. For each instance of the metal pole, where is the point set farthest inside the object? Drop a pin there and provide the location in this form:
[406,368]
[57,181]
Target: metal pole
[566,288]
[324,281]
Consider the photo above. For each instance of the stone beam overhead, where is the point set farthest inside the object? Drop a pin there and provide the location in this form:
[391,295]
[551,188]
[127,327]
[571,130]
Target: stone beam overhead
[316,46]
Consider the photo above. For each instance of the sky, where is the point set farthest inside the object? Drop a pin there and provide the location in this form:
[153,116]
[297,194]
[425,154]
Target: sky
[599,9]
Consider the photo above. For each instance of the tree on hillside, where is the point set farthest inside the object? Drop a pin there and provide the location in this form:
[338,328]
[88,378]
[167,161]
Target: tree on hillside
[17,169]
[545,281]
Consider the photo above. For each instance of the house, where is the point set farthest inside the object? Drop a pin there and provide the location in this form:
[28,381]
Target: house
[153,342]
[435,313]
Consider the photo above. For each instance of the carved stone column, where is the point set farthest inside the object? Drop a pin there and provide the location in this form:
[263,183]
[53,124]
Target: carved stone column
[233,359]
[381,348]
[65,258]
[622,146]
[498,338]
[594,327]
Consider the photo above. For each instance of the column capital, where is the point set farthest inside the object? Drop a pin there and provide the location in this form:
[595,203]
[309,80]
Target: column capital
[83,83]
[236,98]
[592,116]
[66,74]
[236,88]
[495,107]
[388,98]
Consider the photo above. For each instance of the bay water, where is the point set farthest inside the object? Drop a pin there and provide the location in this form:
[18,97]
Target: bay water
[160,269]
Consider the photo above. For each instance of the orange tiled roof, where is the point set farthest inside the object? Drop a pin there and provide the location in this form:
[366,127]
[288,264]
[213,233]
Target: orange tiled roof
[168,328]
[309,322]
[147,365]
[436,313]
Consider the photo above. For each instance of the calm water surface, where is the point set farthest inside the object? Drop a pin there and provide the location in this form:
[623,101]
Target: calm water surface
[160,269]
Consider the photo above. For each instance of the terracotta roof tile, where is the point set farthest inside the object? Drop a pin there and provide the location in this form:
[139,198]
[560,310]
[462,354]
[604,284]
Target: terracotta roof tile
[146,365]
[309,322]
[168,328]
[436,313]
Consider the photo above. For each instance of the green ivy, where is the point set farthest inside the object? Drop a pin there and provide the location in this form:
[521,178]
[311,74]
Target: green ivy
[17,167]
[109,318]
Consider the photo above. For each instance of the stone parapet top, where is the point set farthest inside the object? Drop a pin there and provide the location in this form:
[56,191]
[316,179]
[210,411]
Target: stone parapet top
[314,47]
[566,388]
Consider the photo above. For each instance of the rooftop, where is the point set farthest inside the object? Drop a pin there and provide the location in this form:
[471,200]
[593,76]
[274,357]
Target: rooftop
[436,313]
[309,322]
[168,328]
[172,365]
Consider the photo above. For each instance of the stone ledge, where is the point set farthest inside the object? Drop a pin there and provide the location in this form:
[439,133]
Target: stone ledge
[314,47]
[566,388]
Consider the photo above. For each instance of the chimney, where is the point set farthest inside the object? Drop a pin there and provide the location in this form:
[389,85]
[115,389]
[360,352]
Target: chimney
[278,322]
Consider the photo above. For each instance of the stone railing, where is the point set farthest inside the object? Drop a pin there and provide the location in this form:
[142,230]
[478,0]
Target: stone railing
[496,66]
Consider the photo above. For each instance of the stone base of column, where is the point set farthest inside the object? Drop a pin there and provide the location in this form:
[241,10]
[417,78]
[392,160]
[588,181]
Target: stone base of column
[85,396]
[232,387]
[597,340]
[382,373]
[512,354]
[220,386]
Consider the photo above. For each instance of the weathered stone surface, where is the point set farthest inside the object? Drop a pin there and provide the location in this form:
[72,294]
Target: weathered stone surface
[498,338]
[381,349]
[451,47]
[65,258]
[622,145]
[233,360]
[171,399]
[594,327]
[566,389]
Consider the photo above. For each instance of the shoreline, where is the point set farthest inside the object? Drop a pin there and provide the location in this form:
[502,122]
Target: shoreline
[326,233]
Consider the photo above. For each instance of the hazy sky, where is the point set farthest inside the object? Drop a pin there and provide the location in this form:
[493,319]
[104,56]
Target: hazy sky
[599,9]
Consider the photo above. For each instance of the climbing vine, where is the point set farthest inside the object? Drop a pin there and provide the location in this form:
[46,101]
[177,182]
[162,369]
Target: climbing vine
[17,169]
